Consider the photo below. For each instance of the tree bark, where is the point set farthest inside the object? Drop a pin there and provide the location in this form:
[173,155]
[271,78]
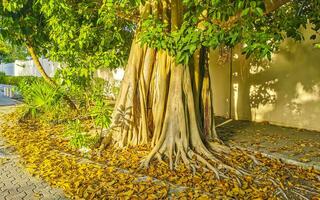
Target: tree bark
[166,105]
[45,75]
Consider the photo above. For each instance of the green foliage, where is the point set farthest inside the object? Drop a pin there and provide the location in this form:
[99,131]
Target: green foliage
[39,97]
[77,81]
[17,80]
[10,53]
[87,34]
[23,23]
[77,135]
[92,101]
[100,110]
[2,77]
[229,23]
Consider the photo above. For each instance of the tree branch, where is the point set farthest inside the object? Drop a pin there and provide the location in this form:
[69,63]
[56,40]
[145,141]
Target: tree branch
[272,5]
[43,73]
[131,18]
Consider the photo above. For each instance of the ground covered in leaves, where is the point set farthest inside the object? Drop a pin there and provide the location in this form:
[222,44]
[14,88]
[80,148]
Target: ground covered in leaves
[116,173]
[291,143]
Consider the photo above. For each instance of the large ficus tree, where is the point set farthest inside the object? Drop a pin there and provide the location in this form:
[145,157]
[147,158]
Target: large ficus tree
[166,95]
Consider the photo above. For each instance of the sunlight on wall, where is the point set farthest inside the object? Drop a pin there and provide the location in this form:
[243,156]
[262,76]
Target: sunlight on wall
[262,101]
[255,68]
[284,91]
[303,96]
[258,114]
[118,74]
[235,99]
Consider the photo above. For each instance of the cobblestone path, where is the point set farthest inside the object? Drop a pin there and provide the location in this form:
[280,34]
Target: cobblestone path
[16,183]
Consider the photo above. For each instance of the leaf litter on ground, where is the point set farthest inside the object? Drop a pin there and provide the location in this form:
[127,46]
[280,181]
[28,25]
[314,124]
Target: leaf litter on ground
[117,173]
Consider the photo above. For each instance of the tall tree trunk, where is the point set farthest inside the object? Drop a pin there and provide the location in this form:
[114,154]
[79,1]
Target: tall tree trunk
[167,105]
[45,75]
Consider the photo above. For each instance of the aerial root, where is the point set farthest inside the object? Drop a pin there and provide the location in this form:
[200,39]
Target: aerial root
[254,159]
[206,163]
[239,182]
[250,155]
[158,155]
[189,158]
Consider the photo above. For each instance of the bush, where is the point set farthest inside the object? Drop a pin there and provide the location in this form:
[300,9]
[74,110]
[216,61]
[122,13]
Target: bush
[78,137]
[39,97]
[16,80]
[2,75]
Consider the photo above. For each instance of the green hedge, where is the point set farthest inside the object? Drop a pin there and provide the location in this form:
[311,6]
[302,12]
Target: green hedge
[16,80]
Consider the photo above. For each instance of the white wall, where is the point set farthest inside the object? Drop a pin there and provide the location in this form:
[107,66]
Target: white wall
[7,68]
[285,91]
[27,68]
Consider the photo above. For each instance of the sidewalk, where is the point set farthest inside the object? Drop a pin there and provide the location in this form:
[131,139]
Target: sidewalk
[295,145]
[6,101]
[16,183]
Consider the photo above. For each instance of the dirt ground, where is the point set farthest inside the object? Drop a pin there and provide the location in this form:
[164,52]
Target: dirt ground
[283,142]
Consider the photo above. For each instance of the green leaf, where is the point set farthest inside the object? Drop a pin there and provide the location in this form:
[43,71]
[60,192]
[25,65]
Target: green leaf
[253,4]
[259,11]
[245,12]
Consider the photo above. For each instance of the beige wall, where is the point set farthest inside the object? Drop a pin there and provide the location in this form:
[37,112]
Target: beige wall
[285,91]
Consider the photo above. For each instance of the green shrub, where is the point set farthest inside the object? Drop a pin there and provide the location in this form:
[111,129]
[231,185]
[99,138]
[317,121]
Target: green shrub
[2,77]
[16,80]
[39,97]
[78,138]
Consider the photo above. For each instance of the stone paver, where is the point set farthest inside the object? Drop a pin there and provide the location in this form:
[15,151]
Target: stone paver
[15,182]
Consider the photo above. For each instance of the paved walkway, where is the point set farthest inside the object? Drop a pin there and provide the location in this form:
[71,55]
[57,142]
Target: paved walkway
[5,101]
[15,182]
[296,146]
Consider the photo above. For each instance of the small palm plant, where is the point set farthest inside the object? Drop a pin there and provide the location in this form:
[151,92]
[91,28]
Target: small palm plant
[39,97]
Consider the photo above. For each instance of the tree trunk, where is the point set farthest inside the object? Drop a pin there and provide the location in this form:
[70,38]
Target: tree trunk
[166,105]
[169,106]
[45,75]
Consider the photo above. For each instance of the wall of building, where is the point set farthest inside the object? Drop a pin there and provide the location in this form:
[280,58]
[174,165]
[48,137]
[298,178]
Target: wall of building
[7,68]
[285,91]
[28,68]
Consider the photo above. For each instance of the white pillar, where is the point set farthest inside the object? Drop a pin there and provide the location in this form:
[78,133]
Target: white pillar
[10,92]
[5,91]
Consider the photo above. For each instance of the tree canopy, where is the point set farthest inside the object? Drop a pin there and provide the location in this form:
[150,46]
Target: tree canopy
[22,23]
[99,33]
[10,53]
[258,25]
[84,33]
